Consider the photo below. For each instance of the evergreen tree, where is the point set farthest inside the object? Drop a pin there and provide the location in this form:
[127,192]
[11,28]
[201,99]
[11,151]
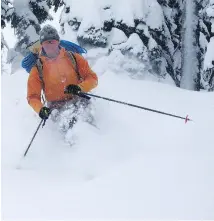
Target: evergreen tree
[6,12]
[180,30]
[27,22]
[207,30]
[55,3]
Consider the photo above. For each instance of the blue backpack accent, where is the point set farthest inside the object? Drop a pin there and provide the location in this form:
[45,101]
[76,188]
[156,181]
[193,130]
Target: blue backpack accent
[30,60]
[70,46]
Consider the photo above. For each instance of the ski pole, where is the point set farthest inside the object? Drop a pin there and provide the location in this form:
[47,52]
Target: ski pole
[26,151]
[87,96]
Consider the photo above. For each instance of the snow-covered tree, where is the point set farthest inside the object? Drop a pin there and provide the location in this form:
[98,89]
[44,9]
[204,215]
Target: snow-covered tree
[207,43]
[175,33]
[3,42]
[6,12]
[55,3]
[95,27]
[3,52]
[173,10]
[162,37]
[27,22]
[208,72]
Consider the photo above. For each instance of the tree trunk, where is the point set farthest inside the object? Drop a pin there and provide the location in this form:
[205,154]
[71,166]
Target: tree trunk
[190,78]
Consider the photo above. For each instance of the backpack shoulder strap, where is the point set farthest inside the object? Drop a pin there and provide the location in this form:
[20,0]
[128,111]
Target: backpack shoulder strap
[74,62]
[40,68]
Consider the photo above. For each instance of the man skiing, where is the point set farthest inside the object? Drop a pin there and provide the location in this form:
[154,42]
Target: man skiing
[60,80]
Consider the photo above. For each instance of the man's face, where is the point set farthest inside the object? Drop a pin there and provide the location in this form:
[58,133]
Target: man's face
[51,47]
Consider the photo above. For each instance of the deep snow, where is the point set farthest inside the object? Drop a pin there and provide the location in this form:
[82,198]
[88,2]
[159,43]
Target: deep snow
[136,165]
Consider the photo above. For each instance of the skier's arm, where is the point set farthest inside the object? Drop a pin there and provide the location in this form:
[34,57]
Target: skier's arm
[90,79]
[34,88]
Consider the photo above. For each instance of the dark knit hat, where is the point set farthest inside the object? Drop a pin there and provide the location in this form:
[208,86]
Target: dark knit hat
[48,32]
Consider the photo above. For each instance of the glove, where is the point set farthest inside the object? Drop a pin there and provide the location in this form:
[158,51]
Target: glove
[72,89]
[44,113]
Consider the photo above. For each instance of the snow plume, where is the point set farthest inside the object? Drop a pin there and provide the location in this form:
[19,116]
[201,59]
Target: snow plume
[136,165]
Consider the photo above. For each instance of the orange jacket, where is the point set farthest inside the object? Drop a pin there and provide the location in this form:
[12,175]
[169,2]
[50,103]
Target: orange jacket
[57,74]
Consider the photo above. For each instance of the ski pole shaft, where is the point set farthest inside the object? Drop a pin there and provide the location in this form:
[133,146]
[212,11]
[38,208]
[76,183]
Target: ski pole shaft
[26,151]
[133,105]
[84,95]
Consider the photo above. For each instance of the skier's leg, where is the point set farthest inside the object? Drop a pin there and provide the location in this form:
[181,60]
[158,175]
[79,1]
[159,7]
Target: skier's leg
[85,110]
[56,108]
[68,115]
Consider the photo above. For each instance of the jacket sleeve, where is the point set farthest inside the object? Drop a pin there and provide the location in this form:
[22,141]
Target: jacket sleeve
[34,88]
[90,79]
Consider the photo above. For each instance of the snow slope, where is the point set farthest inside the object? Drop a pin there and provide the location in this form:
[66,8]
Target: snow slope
[137,165]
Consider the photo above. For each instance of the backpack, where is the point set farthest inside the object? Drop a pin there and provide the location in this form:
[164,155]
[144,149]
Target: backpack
[32,59]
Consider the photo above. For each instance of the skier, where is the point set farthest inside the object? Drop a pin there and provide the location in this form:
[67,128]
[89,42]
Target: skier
[61,75]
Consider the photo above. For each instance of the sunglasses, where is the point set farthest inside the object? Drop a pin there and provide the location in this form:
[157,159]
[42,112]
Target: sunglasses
[50,42]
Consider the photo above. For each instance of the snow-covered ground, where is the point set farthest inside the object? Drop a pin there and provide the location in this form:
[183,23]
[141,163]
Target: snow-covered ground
[137,165]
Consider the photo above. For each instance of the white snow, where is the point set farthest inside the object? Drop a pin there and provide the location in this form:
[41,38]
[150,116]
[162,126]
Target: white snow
[134,44]
[143,27]
[152,44]
[95,20]
[8,31]
[209,56]
[3,41]
[117,36]
[27,13]
[135,165]
[210,10]
[210,13]
[203,41]
[151,8]
[120,11]
[123,12]
[30,31]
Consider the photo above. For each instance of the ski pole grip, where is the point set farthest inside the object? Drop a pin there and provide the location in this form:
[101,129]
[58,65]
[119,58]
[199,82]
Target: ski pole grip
[83,95]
